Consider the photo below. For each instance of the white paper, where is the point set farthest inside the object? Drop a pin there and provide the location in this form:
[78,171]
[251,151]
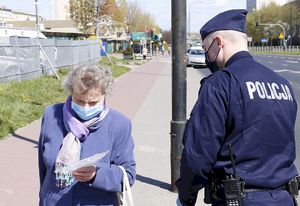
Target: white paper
[90,161]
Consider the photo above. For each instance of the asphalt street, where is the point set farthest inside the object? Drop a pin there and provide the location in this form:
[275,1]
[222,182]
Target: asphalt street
[287,66]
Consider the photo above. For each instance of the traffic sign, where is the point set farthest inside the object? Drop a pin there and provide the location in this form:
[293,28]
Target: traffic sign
[264,40]
[281,36]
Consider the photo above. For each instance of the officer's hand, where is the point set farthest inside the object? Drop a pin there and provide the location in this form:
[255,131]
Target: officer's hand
[85,174]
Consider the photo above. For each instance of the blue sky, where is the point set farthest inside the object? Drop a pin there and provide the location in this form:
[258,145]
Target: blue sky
[200,10]
[28,6]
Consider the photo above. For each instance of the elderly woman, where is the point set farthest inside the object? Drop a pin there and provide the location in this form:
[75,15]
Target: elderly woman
[79,128]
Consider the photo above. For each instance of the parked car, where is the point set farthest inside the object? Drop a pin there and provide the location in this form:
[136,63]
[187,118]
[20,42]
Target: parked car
[188,51]
[196,57]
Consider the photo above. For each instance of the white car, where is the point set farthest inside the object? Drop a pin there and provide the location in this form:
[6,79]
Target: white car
[196,57]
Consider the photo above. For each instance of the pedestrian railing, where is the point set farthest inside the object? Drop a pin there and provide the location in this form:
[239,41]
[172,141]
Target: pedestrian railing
[276,49]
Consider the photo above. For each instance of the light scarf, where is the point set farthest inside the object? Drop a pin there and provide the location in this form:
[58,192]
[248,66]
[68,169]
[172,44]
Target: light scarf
[69,152]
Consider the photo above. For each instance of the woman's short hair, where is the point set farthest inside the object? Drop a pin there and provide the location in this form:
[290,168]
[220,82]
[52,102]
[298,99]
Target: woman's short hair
[86,77]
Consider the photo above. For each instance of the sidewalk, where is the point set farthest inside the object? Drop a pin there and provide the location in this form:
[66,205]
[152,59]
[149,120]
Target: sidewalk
[144,95]
[151,128]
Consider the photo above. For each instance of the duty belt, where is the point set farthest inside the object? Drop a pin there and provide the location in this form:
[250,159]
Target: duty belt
[249,188]
[214,192]
[292,187]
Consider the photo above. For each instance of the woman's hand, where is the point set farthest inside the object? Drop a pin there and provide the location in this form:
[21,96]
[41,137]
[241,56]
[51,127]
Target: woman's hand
[85,174]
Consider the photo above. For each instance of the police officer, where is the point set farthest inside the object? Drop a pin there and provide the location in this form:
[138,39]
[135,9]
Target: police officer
[243,107]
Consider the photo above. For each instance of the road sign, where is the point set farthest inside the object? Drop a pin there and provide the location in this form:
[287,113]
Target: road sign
[281,36]
[264,40]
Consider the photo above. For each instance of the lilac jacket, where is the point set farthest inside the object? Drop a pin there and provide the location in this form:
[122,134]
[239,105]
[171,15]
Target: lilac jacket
[113,134]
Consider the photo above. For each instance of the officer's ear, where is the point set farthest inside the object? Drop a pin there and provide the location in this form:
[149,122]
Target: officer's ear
[220,41]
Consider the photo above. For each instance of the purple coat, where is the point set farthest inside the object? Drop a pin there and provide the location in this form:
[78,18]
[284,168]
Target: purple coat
[113,134]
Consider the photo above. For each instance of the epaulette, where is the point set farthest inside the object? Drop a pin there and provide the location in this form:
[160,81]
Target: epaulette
[205,78]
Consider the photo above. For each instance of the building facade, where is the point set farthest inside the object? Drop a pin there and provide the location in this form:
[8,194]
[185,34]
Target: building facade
[60,9]
[11,15]
[251,5]
[113,33]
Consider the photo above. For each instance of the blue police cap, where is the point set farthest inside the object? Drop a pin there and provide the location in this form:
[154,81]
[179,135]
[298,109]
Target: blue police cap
[229,20]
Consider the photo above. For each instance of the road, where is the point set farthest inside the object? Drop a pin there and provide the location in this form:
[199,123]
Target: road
[287,66]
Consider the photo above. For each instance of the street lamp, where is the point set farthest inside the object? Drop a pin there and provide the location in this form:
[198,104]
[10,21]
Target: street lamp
[37,36]
[265,24]
[257,13]
[178,86]
[96,5]
[284,33]
[37,26]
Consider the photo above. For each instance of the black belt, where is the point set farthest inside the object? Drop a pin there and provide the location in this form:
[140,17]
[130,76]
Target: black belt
[249,188]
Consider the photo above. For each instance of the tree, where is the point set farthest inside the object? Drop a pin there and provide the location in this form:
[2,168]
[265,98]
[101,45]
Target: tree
[138,20]
[116,9]
[133,11]
[167,36]
[252,30]
[85,12]
[295,22]
[272,14]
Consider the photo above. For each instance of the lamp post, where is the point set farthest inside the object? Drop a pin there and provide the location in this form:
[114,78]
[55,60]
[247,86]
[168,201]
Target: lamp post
[284,33]
[266,24]
[291,14]
[178,86]
[97,18]
[258,14]
[37,26]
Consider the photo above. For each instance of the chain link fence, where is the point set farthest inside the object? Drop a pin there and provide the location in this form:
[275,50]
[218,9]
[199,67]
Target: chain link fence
[23,59]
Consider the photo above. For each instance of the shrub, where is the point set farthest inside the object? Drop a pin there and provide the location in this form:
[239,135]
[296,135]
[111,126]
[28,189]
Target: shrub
[128,51]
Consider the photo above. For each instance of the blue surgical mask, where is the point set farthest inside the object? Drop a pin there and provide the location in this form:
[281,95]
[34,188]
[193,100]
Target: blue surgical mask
[87,113]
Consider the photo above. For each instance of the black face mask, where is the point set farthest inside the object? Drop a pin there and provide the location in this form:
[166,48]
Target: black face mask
[212,66]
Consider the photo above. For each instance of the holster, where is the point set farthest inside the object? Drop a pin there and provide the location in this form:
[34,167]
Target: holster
[214,190]
[207,192]
[293,187]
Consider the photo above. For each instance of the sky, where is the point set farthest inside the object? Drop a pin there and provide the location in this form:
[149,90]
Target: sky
[200,11]
[29,6]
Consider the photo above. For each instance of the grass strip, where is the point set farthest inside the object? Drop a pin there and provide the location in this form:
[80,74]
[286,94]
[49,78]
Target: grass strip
[23,102]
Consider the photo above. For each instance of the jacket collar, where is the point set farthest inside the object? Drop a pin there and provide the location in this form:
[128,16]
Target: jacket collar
[237,56]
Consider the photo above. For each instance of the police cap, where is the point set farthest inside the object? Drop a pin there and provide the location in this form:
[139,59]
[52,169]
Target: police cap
[229,20]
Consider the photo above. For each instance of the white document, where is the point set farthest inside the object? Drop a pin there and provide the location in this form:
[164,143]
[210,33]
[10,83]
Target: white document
[90,161]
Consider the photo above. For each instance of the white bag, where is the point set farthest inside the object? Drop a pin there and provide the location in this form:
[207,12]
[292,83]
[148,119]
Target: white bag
[125,197]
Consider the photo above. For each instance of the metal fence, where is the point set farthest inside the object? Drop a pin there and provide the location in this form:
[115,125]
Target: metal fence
[276,49]
[22,59]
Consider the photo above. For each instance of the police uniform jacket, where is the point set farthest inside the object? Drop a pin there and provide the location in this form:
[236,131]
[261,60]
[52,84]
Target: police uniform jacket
[254,109]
